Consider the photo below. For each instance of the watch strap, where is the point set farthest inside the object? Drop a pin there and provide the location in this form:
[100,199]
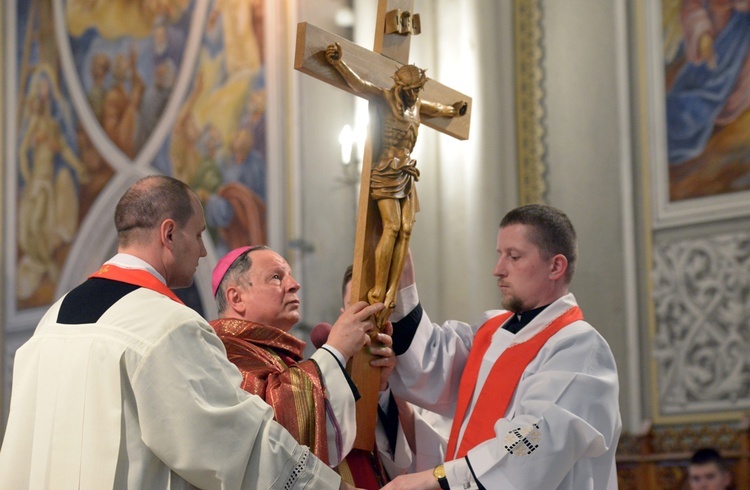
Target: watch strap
[439,473]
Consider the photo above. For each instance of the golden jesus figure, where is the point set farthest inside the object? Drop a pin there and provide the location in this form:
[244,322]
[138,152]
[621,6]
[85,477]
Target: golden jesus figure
[393,175]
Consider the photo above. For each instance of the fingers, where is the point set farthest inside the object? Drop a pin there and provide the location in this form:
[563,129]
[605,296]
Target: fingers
[384,350]
[366,309]
[363,311]
[384,362]
[356,329]
[384,339]
[333,52]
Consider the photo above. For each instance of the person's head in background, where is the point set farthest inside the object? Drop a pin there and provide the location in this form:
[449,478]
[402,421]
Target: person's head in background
[708,471]
[256,284]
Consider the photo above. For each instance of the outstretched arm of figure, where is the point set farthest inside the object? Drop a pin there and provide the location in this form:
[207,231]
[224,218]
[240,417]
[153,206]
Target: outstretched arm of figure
[334,56]
[436,109]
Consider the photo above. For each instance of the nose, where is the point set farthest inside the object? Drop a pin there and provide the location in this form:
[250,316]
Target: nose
[203,249]
[293,285]
[499,268]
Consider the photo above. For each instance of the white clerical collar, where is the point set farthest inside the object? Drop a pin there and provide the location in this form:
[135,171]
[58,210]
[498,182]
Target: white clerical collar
[127,261]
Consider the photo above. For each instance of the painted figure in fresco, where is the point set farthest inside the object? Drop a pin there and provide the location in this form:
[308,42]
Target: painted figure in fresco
[241,48]
[90,156]
[713,87]
[218,141]
[155,99]
[245,163]
[183,148]
[100,66]
[238,209]
[207,177]
[235,212]
[117,18]
[48,211]
[96,166]
[394,174]
[121,105]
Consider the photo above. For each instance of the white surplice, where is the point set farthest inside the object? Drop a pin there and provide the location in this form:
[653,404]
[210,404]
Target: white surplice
[566,403]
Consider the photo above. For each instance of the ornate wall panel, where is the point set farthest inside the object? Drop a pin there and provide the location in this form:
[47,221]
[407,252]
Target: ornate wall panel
[701,345]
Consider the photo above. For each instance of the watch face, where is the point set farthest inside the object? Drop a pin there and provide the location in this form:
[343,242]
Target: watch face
[439,473]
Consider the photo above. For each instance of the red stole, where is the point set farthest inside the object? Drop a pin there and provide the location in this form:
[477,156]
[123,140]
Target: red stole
[503,377]
[363,469]
[136,277]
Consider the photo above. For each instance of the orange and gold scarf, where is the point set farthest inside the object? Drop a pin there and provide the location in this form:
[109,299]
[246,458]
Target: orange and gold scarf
[136,277]
[271,364]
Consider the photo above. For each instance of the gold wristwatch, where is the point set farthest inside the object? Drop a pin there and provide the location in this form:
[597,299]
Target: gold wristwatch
[439,473]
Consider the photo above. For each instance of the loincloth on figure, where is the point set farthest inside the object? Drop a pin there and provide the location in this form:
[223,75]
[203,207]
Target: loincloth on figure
[394,177]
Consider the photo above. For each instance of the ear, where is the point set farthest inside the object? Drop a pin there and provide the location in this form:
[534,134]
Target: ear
[166,233]
[558,266]
[234,299]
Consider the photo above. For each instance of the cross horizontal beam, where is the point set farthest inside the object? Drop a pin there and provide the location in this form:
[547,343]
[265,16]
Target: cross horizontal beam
[377,69]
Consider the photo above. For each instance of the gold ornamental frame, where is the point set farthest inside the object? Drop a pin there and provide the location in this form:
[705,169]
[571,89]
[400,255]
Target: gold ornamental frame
[529,95]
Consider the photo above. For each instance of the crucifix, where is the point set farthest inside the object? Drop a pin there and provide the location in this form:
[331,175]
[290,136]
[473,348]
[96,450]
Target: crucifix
[401,98]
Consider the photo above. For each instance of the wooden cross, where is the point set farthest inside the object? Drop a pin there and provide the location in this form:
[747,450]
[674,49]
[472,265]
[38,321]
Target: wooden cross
[395,24]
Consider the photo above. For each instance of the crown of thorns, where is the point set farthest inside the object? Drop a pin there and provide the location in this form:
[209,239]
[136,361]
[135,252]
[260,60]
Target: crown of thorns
[410,76]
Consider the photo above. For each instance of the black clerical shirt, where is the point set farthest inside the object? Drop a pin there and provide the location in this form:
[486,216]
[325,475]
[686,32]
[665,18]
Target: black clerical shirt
[520,320]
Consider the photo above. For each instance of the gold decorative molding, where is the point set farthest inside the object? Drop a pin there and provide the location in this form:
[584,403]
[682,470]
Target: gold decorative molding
[527,37]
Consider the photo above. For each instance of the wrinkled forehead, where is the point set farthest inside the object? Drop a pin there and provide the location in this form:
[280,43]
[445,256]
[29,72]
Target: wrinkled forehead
[268,261]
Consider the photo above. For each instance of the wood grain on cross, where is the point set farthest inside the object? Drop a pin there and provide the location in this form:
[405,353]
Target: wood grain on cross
[378,67]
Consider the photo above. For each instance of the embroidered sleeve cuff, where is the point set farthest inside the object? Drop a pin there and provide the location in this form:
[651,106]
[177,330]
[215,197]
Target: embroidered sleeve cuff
[405,329]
